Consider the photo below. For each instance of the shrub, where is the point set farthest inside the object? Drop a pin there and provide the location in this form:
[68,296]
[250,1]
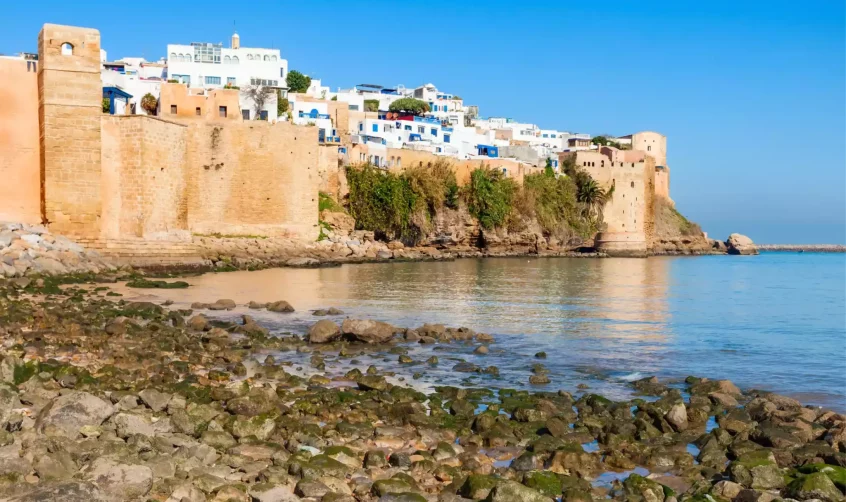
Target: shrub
[382,202]
[371,105]
[553,202]
[490,196]
[149,104]
[325,202]
[436,184]
[107,105]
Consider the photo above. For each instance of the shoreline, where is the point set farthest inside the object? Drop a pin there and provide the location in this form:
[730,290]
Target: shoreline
[171,403]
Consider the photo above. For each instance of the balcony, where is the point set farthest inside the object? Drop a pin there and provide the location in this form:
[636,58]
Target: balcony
[314,115]
[428,120]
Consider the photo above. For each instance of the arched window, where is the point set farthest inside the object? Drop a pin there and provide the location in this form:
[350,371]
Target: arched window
[196,58]
[173,56]
[227,60]
[234,59]
[273,58]
[249,57]
[266,58]
[67,49]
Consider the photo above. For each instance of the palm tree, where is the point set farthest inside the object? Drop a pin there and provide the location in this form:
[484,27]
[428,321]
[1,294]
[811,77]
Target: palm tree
[593,196]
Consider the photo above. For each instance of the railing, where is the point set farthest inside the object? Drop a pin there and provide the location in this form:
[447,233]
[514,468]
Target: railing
[428,120]
[304,115]
[331,139]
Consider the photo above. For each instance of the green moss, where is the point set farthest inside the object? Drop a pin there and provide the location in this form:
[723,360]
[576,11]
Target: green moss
[545,482]
[145,283]
[835,473]
[25,371]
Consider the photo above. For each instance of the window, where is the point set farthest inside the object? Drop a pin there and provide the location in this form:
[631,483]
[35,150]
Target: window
[173,109]
[421,129]
[249,57]
[197,111]
[245,114]
[267,58]
[602,164]
[375,127]
[235,60]
[434,132]
[222,112]
[360,126]
[446,108]
[173,56]
[263,115]
[435,108]
[399,162]
[230,80]
[273,58]
[632,184]
[67,49]
[552,136]
[212,80]
[354,107]
[227,60]
[446,138]
[649,148]
[408,128]
[546,135]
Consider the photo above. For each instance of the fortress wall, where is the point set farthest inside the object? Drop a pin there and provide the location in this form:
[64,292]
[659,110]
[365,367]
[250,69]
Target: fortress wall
[143,178]
[252,178]
[20,167]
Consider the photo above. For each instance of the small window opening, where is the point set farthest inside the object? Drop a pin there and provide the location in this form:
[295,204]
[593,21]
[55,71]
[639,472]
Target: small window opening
[197,111]
[222,112]
[67,49]
[173,109]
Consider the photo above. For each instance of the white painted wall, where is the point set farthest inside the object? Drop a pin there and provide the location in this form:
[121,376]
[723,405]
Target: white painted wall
[241,65]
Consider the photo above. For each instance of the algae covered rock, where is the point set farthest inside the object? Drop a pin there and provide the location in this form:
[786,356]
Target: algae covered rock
[640,489]
[815,486]
[510,491]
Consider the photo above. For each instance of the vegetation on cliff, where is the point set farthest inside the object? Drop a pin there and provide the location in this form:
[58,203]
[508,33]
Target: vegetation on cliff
[669,222]
[402,206]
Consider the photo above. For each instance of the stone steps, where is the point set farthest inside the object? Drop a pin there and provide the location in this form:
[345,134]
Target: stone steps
[142,252]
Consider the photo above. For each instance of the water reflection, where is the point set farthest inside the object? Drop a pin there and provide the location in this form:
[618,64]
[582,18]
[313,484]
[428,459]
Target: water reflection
[601,322]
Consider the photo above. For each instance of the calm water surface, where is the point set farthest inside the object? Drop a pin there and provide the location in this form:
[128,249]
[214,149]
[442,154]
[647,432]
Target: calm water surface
[775,321]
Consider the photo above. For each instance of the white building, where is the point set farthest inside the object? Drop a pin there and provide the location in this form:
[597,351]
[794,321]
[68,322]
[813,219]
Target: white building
[135,76]
[444,106]
[212,66]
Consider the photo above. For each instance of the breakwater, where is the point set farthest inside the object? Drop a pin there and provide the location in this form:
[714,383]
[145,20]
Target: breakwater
[810,248]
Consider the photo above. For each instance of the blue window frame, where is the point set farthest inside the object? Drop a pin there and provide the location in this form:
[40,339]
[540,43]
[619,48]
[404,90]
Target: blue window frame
[212,80]
[546,135]
[446,138]
[434,132]
[408,128]
[446,108]
[421,129]
[360,126]
[554,136]
[375,127]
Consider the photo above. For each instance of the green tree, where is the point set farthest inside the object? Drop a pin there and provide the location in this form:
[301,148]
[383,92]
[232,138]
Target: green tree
[107,105]
[297,82]
[409,105]
[371,105]
[281,103]
[600,140]
[149,104]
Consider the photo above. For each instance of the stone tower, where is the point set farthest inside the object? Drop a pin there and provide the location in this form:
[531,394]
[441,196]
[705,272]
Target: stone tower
[69,110]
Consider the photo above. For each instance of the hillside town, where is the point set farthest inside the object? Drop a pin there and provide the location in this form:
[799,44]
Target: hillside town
[449,127]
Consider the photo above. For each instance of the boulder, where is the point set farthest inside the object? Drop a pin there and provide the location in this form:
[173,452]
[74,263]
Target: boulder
[815,486]
[341,223]
[741,245]
[367,331]
[323,331]
[122,481]
[67,414]
[510,491]
[65,491]
[280,306]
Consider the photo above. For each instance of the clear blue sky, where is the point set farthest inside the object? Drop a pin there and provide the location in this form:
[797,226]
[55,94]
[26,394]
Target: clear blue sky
[751,94]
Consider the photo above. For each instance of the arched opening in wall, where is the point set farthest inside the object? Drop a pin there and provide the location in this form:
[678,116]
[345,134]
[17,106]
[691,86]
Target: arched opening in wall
[227,60]
[649,148]
[173,56]
[632,184]
[67,49]
[267,58]
[235,60]
[249,57]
